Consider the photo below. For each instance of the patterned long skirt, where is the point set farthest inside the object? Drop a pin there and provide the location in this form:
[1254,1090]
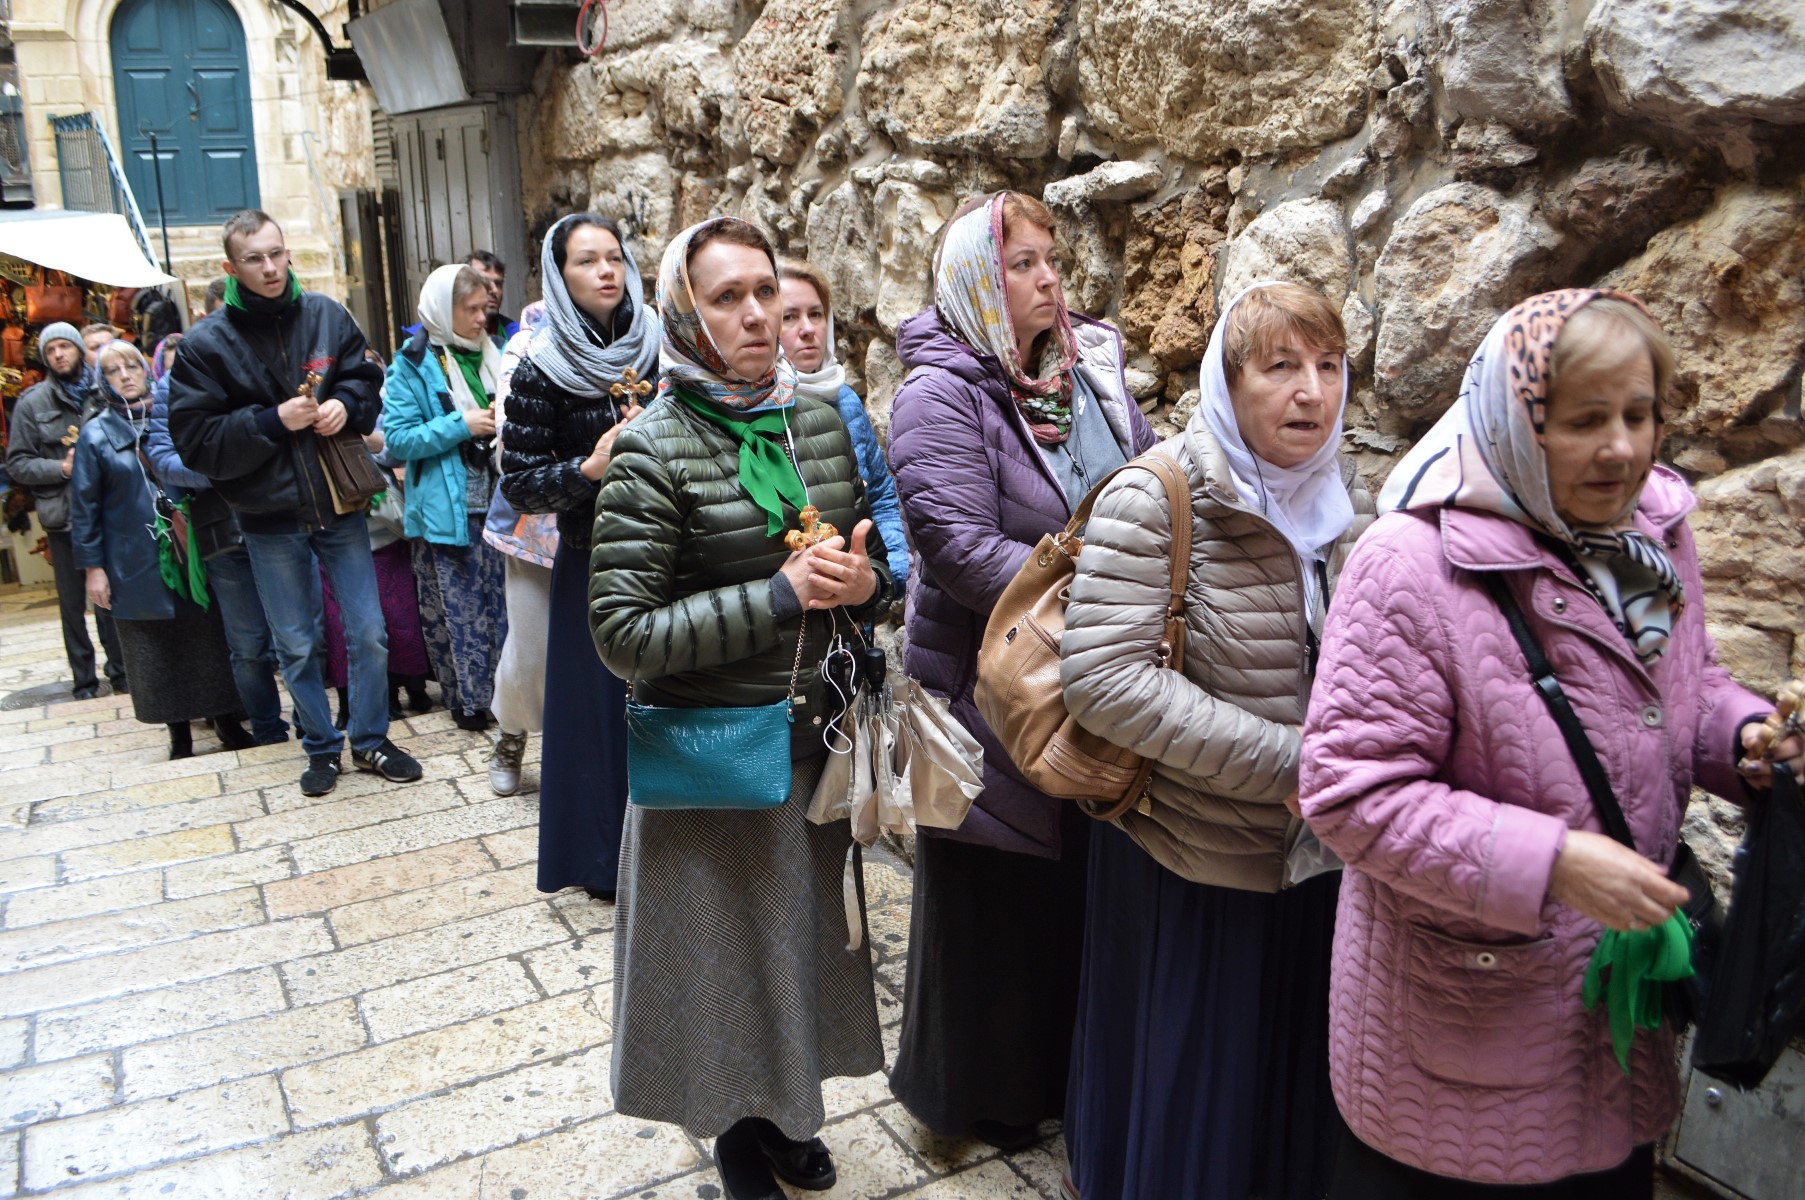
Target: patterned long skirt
[468,585]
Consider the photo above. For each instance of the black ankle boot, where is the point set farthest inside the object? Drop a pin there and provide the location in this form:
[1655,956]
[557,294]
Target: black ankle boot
[396,712]
[344,708]
[417,699]
[232,733]
[807,1165]
[745,1174]
[181,740]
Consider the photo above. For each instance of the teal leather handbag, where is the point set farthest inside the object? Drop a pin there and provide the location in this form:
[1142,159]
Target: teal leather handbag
[730,758]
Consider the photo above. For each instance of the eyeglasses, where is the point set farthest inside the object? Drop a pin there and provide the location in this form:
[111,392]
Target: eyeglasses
[255,261]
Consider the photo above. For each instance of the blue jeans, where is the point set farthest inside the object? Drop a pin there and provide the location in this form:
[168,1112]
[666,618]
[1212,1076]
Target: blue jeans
[289,584]
[247,633]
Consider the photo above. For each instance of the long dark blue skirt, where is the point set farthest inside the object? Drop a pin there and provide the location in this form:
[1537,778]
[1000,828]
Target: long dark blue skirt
[1200,1060]
[583,760]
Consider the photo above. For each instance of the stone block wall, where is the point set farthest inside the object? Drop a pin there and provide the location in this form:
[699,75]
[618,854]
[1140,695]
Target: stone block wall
[1426,163]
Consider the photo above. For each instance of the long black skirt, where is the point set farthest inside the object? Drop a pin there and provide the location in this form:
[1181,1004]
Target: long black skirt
[992,983]
[583,759]
[179,669]
[1200,1061]
[1363,1173]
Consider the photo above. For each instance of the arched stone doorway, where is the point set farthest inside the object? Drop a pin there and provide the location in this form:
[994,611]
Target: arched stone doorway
[179,70]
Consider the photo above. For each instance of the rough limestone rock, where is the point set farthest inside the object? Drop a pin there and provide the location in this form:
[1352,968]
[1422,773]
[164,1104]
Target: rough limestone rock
[842,244]
[1500,60]
[1458,259]
[884,374]
[787,71]
[641,192]
[961,78]
[908,218]
[1108,181]
[1750,525]
[1168,272]
[1729,288]
[1680,62]
[1301,241]
[1200,77]
[1610,207]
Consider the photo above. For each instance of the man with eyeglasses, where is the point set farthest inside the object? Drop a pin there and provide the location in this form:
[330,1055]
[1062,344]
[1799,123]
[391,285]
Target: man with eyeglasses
[241,415]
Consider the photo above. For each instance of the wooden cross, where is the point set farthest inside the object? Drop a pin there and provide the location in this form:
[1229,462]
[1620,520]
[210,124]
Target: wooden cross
[631,385]
[813,531]
[74,434]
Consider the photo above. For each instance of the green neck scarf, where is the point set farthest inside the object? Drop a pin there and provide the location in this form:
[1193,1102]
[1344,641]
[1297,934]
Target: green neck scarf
[236,297]
[1628,971]
[470,365]
[185,575]
[766,472]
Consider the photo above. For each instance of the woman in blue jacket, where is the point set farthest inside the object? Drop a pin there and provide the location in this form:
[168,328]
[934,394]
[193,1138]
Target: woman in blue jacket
[169,631]
[437,419]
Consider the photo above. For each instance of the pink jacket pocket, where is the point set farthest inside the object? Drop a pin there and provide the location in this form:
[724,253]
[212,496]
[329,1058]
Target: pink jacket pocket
[1484,1014]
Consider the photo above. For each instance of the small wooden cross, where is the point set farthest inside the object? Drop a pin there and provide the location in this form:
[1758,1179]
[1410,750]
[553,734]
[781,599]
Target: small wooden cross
[813,531]
[631,385]
[70,438]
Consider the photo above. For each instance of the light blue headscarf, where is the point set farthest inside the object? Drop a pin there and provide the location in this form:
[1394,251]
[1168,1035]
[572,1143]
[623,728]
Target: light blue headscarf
[567,348]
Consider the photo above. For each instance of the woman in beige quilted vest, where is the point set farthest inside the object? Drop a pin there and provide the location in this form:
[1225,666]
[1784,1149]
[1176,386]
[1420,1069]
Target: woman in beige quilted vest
[1200,1062]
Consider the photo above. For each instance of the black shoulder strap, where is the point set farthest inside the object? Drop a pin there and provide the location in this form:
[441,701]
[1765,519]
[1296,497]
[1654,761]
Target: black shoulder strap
[1578,744]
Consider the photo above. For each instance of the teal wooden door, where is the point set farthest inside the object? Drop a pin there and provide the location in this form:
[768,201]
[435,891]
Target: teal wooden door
[179,71]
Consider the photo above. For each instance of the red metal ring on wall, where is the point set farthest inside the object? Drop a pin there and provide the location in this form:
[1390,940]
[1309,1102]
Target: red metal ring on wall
[600,6]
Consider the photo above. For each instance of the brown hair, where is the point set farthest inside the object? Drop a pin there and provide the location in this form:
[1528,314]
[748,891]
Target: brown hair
[1020,209]
[244,224]
[1590,335]
[98,327]
[1268,314]
[790,268]
[465,283]
[733,231]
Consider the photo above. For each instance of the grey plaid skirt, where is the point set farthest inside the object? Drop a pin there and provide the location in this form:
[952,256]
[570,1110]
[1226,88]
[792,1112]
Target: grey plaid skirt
[734,993]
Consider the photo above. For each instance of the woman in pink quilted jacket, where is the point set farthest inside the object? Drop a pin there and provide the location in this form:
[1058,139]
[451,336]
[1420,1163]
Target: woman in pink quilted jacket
[1462,1051]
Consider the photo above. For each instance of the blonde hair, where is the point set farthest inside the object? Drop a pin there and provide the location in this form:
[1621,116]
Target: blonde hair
[119,348]
[1265,316]
[790,268]
[467,283]
[1590,339]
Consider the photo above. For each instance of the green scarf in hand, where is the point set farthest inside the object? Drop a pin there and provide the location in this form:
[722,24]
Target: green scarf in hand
[186,576]
[1628,971]
[766,472]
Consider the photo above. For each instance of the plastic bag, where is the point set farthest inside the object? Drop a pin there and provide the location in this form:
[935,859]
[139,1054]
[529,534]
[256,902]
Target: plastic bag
[1757,999]
[1308,858]
[945,763]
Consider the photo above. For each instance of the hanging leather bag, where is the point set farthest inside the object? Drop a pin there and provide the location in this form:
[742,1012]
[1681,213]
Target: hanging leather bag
[55,299]
[1018,689]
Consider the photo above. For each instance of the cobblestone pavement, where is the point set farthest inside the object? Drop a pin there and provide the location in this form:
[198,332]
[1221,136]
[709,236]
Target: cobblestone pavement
[214,988]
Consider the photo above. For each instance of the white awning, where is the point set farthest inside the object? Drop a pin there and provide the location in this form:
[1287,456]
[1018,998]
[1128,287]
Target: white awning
[93,246]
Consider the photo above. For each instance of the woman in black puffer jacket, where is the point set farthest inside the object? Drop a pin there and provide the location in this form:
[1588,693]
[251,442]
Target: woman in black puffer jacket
[584,377]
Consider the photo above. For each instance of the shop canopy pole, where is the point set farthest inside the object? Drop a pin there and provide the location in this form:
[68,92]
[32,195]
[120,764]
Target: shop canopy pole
[156,167]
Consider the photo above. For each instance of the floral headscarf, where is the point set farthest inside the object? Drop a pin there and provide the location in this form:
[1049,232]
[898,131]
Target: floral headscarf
[973,301]
[1487,453]
[688,357]
[157,369]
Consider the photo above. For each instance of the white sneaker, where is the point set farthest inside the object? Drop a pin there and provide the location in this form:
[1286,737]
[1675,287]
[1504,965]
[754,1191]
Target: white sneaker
[504,763]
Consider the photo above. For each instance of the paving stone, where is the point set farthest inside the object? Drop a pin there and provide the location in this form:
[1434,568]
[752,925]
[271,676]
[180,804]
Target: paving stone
[61,941]
[9,1164]
[380,1077]
[65,1089]
[321,890]
[572,966]
[323,1164]
[426,908]
[130,799]
[244,1048]
[155,1014]
[992,1181]
[183,846]
[1043,1164]
[163,966]
[152,1132]
[393,837]
[600,1158]
[73,900]
[515,847]
[416,955]
[317,820]
[496,1112]
[12,1042]
[18,874]
[227,871]
[941,1154]
[446,998]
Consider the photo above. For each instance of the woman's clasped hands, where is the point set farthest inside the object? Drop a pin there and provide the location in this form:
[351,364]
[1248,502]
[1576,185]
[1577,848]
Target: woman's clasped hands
[832,573]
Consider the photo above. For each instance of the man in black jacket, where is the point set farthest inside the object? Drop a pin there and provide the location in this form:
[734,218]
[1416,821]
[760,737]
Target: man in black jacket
[40,453]
[240,413]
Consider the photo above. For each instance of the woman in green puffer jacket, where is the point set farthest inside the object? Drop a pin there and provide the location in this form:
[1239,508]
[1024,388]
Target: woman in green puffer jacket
[735,994]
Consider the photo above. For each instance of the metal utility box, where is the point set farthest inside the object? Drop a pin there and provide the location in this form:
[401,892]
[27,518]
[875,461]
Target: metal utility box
[1745,1145]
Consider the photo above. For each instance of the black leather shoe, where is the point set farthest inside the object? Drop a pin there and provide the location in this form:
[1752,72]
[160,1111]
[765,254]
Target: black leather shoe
[232,733]
[1007,1138]
[807,1165]
[119,685]
[745,1175]
[87,693]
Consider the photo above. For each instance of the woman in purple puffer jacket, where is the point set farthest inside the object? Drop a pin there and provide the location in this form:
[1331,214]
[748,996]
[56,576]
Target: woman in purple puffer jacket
[989,456]
[1481,886]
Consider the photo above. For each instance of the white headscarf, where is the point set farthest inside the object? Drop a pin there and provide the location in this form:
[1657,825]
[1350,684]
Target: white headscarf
[1309,503]
[436,306]
[825,381]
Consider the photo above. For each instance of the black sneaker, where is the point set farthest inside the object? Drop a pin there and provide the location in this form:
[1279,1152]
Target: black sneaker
[389,761]
[321,775]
